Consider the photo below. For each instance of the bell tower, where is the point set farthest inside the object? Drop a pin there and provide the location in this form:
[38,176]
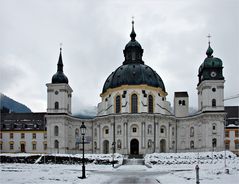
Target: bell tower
[59,91]
[211,83]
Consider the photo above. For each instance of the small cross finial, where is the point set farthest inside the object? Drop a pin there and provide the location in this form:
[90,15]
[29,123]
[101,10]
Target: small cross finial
[61,46]
[209,36]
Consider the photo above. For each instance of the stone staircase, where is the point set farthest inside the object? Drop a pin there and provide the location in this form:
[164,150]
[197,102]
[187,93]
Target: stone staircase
[134,160]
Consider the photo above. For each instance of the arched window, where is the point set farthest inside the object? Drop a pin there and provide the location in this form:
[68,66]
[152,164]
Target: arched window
[56,144]
[77,133]
[191,132]
[214,127]
[56,105]
[56,131]
[119,130]
[118,144]
[95,145]
[214,102]
[183,102]
[163,130]
[214,142]
[134,103]
[149,129]
[117,104]
[150,143]
[150,104]
[192,144]
[173,131]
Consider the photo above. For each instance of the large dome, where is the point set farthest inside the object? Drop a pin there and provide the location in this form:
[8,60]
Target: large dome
[133,74]
[133,71]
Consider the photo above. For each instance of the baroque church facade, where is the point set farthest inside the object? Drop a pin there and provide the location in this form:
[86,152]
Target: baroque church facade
[134,116]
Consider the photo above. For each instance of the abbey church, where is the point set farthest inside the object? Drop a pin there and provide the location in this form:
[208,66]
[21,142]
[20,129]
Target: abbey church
[134,116]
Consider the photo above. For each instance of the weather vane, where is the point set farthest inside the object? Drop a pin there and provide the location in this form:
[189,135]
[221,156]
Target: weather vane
[61,46]
[132,19]
[209,36]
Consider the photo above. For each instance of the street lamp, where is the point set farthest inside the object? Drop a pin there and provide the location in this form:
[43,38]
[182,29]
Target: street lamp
[83,130]
[113,149]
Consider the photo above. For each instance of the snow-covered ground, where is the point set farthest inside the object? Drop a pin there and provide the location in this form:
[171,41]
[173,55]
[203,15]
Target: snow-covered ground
[167,169]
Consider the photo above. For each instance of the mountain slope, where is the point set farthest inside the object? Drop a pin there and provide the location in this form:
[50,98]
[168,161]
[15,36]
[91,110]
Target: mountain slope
[12,105]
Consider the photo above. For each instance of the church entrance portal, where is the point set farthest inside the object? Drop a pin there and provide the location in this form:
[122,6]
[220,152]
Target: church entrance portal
[134,147]
[106,147]
[162,146]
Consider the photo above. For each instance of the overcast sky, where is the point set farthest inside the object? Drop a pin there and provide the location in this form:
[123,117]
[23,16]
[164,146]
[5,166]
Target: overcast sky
[172,33]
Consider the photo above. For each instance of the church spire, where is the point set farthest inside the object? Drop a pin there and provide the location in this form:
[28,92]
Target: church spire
[60,63]
[133,34]
[59,77]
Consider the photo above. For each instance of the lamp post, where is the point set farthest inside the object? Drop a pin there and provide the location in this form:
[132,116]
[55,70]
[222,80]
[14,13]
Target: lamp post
[113,149]
[83,130]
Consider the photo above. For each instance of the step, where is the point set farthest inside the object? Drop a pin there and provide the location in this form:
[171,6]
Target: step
[133,161]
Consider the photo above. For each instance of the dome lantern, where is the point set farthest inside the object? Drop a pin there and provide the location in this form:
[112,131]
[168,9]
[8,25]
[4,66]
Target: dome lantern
[133,51]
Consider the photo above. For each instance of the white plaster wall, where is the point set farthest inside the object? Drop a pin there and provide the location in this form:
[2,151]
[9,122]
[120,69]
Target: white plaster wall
[63,97]
[205,95]
[28,141]
[181,110]
[107,106]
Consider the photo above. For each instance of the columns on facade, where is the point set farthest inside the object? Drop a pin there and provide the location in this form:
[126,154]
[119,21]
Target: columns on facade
[143,134]
[99,140]
[125,137]
[156,137]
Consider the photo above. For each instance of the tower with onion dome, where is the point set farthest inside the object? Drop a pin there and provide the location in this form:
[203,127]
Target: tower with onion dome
[210,83]
[59,91]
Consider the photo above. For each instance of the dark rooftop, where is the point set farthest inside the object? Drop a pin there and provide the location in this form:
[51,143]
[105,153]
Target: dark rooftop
[181,94]
[23,121]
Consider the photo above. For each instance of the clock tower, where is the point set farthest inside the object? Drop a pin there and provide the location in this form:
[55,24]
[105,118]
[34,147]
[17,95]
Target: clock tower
[211,83]
[59,91]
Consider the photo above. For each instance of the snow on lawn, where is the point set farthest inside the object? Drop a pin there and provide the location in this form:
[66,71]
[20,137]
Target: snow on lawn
[181,167]
[47,173]
[168,168]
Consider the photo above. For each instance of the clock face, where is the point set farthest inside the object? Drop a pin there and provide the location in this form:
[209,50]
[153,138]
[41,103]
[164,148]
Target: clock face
[213,74]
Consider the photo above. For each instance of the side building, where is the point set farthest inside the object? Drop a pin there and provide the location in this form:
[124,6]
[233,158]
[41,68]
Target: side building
[232,129]
[23,132]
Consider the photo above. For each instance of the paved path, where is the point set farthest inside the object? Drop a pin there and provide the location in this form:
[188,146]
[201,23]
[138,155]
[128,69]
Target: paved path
[132,174]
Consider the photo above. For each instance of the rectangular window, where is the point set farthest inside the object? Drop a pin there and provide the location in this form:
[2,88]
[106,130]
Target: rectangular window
[11,146]
[22,136]
[162,130]
[34,146]
[11,135]
[34,135]
[106,131]
[236,145]
[134,129]
[227,146]
[236,133]
[45,135]
[227,134]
